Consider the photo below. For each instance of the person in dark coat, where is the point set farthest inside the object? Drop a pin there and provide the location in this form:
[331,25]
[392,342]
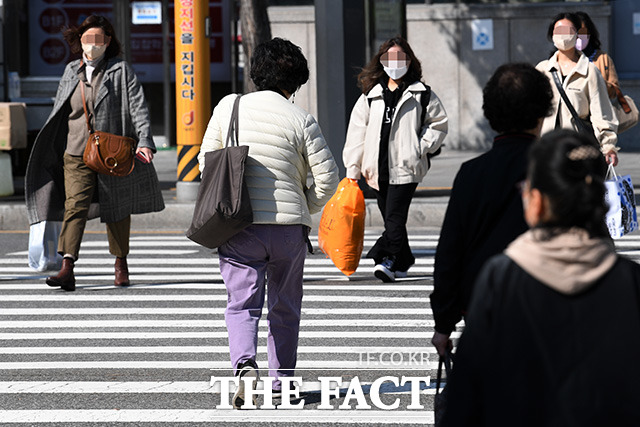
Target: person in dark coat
[485,213]
[553,329]
[59,186]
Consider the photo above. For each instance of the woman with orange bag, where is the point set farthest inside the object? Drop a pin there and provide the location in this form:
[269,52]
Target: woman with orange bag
[395,125]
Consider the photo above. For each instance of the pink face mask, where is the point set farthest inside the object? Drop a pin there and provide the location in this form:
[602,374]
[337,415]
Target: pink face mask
[582,42]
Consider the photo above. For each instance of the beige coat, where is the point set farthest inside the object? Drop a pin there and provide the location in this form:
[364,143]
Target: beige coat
[608,71]
[409,141]
[587,92]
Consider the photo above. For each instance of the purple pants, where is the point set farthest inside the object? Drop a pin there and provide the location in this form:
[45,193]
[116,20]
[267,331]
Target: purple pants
[272,257]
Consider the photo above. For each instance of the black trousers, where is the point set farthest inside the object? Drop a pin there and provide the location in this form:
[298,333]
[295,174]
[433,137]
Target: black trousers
[394,202]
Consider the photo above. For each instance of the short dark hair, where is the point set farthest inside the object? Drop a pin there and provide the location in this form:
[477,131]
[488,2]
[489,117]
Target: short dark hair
[575,20]
[279,64]
[594,35]
[516,97]
[73,34]
[570,170]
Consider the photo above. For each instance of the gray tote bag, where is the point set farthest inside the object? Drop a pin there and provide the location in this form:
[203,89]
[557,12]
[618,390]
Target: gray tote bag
[223,207]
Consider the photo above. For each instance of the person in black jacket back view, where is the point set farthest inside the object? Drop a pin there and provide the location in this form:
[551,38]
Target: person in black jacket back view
[485,212]
[553,329]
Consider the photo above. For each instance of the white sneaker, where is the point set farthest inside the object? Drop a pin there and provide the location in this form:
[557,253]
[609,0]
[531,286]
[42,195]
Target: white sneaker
[401,274]
[384,272]
[246,369]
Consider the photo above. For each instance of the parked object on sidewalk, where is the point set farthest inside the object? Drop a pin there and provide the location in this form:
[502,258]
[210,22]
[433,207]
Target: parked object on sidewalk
[223,206]
[553,309]
[341,229]
[13,125]
[43,245]
[621,216]
[396,125]
[6,175]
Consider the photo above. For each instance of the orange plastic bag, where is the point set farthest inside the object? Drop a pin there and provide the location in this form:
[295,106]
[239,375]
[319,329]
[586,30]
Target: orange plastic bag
[341,230]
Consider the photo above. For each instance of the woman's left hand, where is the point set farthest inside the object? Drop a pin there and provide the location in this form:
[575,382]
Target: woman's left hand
[612,158]
[145,152]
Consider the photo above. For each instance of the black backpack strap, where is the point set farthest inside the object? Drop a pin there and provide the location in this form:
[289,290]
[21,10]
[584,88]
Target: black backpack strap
[425,97]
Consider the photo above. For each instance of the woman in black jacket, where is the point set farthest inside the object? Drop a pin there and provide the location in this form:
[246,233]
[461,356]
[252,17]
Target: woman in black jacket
[553,329]
[484,213]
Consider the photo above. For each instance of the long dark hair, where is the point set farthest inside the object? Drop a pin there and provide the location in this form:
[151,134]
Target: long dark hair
[594,35]
[570,170]
[575,20]
[73,34]
[373,71]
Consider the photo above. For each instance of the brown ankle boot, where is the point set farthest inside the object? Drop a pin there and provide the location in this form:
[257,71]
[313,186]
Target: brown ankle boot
[122,272]
[65,278]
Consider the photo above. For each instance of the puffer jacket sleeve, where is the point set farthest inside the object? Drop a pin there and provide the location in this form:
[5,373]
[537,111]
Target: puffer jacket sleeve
[138,110]
[212,139]
[322,164]
[435,126]
[602,116]
[354,145]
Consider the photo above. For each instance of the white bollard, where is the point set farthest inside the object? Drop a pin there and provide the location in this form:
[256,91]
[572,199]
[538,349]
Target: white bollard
[6,175]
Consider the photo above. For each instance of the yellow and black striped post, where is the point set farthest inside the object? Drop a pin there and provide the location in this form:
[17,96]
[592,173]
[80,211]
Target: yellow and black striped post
[193,92]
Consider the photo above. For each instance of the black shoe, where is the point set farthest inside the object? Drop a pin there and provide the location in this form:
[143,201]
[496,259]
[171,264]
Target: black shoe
[245,369]
[385,271]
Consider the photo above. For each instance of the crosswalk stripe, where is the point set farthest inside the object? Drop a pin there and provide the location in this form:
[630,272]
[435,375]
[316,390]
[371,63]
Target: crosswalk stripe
[132,252]
[303,416]
[64,297]
[179,323]
[108,311]
[213,261]
[54,336]
[154,387]
[207,349]
[328,275]
[323,365]
[329,286]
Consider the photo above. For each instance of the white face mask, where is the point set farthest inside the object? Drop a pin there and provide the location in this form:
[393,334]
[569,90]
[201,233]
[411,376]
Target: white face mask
[92,51]
[396,73]
[565,41]
[582,42]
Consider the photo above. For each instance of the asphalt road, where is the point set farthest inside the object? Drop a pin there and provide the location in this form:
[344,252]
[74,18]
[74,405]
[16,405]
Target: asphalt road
[145,355]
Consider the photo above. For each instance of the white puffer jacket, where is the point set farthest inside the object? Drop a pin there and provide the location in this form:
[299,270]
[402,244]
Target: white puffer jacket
[285,144]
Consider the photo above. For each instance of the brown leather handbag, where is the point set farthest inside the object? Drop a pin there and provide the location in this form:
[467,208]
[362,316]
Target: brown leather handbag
[105,152]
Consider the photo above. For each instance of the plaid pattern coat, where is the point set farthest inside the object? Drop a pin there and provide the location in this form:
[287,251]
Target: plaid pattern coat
[120,108]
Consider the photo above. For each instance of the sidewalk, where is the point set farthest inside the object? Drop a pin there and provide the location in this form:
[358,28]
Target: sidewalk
[427,209]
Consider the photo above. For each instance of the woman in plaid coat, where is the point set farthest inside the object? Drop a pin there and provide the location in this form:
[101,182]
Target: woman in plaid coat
[58,185]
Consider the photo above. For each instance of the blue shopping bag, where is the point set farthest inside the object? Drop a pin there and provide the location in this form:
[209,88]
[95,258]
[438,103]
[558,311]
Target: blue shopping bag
[621,217]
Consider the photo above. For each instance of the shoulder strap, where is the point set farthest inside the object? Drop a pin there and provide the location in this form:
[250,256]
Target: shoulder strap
[232,133]
[564,96]
[84,105]
[425,97]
